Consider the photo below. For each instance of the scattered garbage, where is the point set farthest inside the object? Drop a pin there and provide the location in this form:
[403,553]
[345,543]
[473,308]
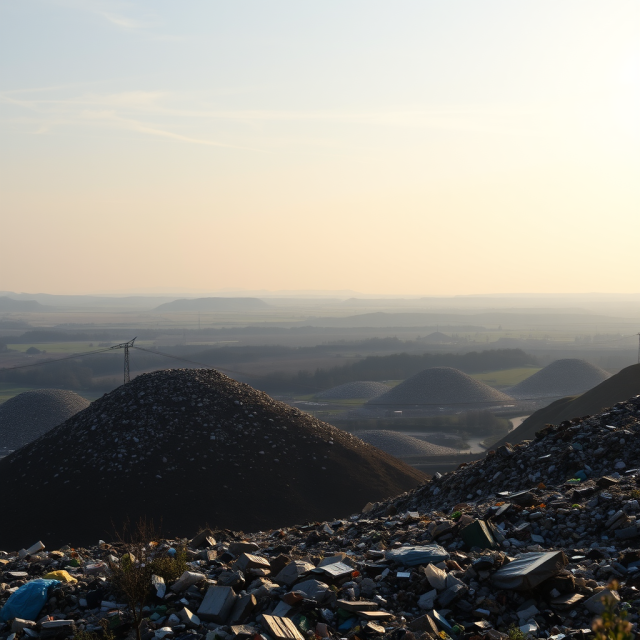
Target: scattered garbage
[529,570]
[27,600]
[499,547]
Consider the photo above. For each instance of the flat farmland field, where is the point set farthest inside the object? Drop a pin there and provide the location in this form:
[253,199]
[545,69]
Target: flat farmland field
[506,377]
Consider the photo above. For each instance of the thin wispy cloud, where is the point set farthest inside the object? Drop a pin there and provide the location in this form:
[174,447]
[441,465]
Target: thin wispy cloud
[166,114]
[118,122]
[123,15]
[122,21]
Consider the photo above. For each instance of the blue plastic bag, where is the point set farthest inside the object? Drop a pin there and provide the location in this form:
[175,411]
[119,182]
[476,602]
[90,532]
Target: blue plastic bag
[27,601]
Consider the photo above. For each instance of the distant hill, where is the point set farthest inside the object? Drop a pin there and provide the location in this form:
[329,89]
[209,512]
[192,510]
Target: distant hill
[461,321]
[565,377]
[9,304]
[440,386]
[437,337]
[622,386]
[214,304]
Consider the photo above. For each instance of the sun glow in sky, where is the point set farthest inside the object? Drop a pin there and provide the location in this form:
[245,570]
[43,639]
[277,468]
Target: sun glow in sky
[387,147]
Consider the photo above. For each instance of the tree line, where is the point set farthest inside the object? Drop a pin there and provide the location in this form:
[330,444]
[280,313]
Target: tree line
[397,366]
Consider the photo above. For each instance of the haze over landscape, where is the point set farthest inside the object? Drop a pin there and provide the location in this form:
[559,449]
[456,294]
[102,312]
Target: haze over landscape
[319,321]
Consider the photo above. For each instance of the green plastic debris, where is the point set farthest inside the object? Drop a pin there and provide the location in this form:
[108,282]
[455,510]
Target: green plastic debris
[477,534]
[304,624]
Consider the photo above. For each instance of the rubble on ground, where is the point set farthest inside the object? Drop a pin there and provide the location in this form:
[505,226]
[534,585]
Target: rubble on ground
[533,541]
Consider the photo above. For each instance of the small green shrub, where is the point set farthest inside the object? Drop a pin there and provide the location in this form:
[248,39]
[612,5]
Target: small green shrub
[106,634]
[168,568]
[612,625]
[515,633]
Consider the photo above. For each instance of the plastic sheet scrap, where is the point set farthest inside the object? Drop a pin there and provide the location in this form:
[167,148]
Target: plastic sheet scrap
[529,570]
[27,601]
[413,556]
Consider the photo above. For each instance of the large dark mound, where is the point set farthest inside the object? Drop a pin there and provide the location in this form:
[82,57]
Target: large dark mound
[350,390]
[186,448]
[624,384]
[441,386]
[566,377]
[28,415]
[214,304]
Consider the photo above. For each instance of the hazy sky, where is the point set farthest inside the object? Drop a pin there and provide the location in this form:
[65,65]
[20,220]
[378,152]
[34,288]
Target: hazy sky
[457,146]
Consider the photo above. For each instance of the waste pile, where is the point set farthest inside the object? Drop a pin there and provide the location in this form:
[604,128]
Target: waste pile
[354,390]
[622,385]
[532,542]
[566,377]
[402,445]
[28,415]
[440,387]
[190,448]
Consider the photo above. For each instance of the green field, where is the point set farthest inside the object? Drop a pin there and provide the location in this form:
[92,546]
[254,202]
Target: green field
[9,390]
[506,377]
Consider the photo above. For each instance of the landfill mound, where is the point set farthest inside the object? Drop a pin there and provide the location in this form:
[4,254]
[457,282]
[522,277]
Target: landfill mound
[441,386]
[566,377]
[401,445]
[465,556]
[624,384]
[565,457]
[351,390]
[185,448]
[28,415]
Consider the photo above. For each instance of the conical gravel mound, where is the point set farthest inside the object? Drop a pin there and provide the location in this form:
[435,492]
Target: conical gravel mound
[402,445]
[28,415]
[441,386]
[566,377]
[349,390]
[188,448]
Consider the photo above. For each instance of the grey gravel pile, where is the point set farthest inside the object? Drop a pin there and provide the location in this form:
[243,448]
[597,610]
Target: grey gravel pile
[441,386]
[28,415]
[567,377]
[354,390]
[402,445]
[187,447]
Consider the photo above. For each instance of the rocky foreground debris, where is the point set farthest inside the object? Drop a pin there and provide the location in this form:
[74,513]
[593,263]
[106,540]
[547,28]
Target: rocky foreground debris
[533,541]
